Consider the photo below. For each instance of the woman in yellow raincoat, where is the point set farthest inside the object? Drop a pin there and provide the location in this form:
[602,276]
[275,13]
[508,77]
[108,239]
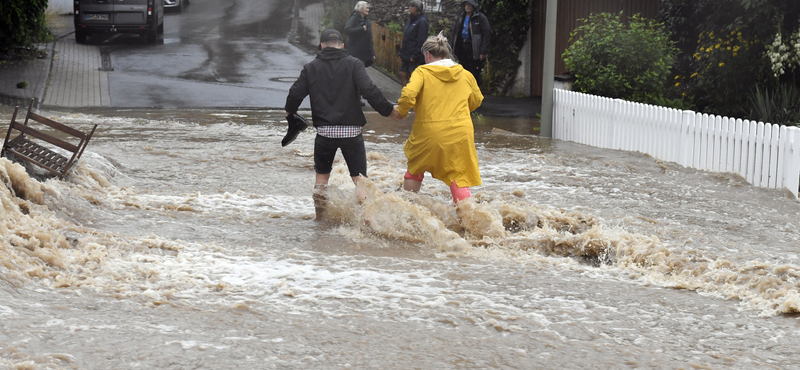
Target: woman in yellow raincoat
[442,140]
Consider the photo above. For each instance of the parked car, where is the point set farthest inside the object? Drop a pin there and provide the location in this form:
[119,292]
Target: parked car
[145,17]
[175,4]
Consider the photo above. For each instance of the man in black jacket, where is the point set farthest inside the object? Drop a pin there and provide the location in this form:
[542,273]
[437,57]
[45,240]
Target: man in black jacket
[332,82]
[471,38]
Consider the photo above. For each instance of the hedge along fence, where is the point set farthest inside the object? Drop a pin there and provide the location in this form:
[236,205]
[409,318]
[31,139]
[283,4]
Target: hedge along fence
[765,155]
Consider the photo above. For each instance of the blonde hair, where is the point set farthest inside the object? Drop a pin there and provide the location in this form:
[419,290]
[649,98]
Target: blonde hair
[438,46]
[361,5]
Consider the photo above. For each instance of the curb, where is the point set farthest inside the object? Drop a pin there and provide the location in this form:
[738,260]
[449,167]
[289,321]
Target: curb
[39,95]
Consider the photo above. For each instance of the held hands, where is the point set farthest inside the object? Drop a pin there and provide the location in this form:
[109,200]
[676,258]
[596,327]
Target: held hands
[395,115]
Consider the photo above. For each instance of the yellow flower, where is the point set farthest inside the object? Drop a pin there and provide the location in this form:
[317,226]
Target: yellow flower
[716,47]
[734,53]
[677,77]
[721,64]
[677,84]
[684,93]
[693,75]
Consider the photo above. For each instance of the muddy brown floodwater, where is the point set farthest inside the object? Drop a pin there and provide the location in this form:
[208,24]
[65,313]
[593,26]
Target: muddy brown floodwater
[186,239]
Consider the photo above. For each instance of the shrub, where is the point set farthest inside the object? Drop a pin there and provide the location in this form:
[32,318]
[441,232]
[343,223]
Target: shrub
[22,23]
[729,47]
[724,69]
[396,27]
[611,59]
[780,105]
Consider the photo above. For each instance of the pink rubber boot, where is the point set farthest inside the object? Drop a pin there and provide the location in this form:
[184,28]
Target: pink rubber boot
[459,193]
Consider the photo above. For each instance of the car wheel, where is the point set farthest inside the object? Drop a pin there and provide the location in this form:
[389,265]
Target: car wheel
[80,36]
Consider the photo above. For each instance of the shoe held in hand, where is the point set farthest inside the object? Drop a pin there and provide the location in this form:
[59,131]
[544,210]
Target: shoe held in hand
[297,123]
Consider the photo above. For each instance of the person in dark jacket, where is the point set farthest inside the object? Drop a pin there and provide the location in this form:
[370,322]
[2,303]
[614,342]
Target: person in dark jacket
[359,32]
[414,36]
[332,82]
[471,39]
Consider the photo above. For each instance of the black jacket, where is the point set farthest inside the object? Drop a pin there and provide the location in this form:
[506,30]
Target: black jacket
[414,36]
[332,81]
[359,43]
[479,30]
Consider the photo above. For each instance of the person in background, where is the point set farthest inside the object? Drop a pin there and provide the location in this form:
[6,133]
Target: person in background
[471,39]
[442,139]
[359,32]
[414,36]
[332,81]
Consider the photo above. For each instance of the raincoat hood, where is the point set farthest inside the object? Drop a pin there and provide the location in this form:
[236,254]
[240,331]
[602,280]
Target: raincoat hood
[445,70]
[474,4]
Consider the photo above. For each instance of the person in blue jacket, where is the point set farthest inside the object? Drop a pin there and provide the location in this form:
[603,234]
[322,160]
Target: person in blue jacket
[415,35]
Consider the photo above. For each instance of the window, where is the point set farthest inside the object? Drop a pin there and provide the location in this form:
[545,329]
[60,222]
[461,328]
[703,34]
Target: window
[432,5]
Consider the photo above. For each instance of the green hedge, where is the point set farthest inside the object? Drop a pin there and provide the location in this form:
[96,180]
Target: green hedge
[22,23]
[610,58]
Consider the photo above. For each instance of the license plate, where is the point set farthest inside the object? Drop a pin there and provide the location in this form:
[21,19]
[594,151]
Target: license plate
[95,17]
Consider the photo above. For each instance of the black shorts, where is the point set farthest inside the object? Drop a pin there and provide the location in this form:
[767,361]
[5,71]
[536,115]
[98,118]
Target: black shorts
[407,66]
[353,151]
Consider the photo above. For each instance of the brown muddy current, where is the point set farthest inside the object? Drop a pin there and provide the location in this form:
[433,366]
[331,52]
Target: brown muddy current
[187,241]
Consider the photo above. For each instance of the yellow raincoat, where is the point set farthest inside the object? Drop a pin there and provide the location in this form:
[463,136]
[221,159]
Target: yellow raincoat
[442,140]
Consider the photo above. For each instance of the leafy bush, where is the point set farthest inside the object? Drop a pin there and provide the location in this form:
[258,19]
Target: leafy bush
[22,23]
[395,27]
[611,59]
[780,105]
[724,68]
[724,49]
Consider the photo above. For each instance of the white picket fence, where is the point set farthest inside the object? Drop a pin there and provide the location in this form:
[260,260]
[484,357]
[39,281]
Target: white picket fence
[765,155]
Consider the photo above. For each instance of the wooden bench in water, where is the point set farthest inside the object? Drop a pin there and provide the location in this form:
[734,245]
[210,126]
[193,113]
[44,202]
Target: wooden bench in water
[25,148]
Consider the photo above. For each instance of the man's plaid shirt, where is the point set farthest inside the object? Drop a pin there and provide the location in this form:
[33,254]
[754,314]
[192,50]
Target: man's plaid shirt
[339,132]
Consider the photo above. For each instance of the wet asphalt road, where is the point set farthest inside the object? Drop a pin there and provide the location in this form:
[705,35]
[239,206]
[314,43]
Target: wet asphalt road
[226,53]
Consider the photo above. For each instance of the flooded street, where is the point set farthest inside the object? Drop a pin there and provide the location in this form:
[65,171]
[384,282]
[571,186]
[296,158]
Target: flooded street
[187,240]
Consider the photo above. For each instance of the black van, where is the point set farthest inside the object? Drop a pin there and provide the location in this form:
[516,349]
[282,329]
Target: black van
[145,17]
